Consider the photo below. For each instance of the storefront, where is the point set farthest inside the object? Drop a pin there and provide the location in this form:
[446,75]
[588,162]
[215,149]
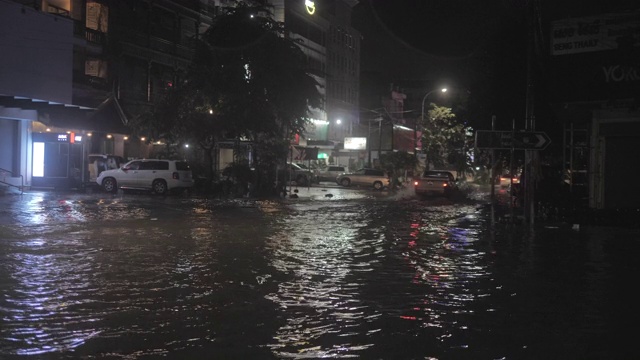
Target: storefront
[58,160]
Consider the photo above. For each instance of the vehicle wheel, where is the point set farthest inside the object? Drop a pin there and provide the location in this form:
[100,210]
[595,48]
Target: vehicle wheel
[345,182]
[159,187]
[377,185]
[110,185]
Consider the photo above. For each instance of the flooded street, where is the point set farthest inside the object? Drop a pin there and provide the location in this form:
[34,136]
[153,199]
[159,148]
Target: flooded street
[136,276]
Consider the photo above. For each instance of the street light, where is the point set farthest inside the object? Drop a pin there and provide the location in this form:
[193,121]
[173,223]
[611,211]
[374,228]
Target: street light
[415,128]
[444,90]
[336,129]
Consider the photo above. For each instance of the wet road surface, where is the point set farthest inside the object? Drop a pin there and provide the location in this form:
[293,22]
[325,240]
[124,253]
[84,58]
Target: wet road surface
[356,275]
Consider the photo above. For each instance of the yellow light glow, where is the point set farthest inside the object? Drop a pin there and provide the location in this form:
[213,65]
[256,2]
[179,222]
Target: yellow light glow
[48,129]
[311,6]
[126,138]
[89,134]
[109,136]
[143,138]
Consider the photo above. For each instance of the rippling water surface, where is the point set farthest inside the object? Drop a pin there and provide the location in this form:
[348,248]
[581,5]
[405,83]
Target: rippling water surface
[95,276]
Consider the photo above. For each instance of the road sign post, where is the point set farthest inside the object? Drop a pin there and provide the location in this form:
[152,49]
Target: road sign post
[517,140]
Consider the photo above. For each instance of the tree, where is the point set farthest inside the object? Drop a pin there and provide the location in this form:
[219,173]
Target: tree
[445,140]
[247,80]
[396,163]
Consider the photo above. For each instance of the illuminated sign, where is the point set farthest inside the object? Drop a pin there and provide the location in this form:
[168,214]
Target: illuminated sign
[311,6]
[70,138]
[355,143]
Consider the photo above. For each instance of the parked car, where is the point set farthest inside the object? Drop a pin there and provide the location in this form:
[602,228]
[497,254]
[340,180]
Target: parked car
[312,169]
[101,162]
[159,176]
[364,177]
[296,175]
[331,172]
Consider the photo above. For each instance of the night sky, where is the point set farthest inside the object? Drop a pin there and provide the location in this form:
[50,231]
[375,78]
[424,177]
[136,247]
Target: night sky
[475,46]
[469,46]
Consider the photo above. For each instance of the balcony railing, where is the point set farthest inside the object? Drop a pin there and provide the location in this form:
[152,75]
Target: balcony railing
[95,82]
[90,35]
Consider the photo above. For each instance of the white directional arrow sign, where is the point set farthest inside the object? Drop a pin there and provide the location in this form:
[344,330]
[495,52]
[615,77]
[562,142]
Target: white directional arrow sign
[519,140]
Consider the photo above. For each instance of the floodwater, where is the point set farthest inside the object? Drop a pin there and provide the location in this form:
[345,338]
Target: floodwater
[135,276]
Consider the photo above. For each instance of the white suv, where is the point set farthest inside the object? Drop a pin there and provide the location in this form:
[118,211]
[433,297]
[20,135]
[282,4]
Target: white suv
[156,175]
[364,177]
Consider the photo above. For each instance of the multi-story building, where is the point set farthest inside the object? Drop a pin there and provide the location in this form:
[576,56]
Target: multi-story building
[36,93]
[595,87]
[323,30]
[77,70]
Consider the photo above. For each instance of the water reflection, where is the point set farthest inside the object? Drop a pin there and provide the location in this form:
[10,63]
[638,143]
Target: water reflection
[43,310]
[136,277]
[429,267]
[320,296]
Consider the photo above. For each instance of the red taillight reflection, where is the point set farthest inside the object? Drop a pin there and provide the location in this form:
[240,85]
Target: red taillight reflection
[176,176]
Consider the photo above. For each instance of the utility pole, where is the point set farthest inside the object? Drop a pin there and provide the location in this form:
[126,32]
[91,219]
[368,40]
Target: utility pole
[492,175]
[380,139]
[369,145]
[530,156]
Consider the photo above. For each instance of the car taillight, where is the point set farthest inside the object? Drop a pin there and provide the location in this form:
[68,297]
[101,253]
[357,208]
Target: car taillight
[176,176]
[415,183]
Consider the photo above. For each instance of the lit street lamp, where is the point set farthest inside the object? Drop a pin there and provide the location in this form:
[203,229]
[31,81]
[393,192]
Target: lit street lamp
[336,129]
[415,128]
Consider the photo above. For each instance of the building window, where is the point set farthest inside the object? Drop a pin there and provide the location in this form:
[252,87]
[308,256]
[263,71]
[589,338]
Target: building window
[95,68]
[97,17]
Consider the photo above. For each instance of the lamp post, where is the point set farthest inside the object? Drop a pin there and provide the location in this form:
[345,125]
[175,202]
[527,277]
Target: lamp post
[415,128]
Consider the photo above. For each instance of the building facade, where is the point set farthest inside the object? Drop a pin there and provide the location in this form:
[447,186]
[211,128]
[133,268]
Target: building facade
[595,85]
[324,33]
[77,70]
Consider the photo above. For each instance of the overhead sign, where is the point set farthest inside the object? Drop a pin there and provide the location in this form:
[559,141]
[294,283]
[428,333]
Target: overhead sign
[595,33]
[518,140]
[355,143]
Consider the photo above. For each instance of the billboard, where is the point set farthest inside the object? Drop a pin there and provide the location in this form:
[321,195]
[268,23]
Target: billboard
[355,143]
[595,33]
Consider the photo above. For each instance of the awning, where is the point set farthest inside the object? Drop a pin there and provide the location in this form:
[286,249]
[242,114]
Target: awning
[25,103]
[107,117]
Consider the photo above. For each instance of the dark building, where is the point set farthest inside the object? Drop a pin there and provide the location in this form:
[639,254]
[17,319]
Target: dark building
[76,71]
[594,87]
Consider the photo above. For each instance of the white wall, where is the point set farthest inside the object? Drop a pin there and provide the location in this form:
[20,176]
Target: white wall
[37,50]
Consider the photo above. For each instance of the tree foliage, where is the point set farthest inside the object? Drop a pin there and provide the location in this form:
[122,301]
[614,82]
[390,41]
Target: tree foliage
[396,163]
[247,80]
[445,140]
